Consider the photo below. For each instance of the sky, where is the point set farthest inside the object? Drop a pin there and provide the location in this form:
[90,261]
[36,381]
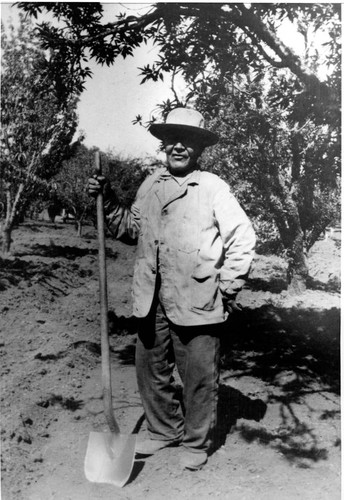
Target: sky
[113,96]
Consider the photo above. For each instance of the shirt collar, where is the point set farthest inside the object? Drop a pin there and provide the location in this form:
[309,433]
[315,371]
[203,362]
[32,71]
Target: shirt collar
[191,178]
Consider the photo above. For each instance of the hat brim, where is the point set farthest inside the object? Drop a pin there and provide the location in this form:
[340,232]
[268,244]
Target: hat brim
[161,130]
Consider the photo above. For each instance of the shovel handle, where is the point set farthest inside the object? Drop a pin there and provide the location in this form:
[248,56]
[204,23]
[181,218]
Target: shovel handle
[104,323]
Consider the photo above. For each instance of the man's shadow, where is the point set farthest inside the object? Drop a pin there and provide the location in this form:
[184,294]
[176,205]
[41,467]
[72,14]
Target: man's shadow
[232,405]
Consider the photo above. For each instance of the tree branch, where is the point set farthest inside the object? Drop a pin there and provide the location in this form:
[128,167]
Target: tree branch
[132,23]
[270,60]
[237,14]
[253,27]
[286,55]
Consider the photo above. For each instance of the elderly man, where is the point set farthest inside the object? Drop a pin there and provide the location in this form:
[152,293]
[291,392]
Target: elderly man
[195,248]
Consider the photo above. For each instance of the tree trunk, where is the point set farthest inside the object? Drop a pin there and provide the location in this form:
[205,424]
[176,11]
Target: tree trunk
[79,227]
[298,268]
[285,212]
[6,239]
[293,241]
[14,211]
[79,220]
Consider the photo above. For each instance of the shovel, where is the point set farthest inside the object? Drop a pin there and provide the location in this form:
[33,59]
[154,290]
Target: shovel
[109,455]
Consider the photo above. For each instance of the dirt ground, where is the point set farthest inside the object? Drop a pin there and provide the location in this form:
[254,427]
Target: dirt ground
[279,407]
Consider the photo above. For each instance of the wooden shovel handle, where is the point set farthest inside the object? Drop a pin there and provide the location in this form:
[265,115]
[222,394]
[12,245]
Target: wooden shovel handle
[104,323]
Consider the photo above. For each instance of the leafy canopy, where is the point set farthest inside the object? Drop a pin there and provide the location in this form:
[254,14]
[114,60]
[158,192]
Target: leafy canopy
[203,41]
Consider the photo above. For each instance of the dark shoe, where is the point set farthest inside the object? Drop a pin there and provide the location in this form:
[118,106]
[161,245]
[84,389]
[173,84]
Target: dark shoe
[193,460]
[151,446]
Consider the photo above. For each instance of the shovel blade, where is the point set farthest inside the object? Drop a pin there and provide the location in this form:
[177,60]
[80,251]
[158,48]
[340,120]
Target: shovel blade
[109,458]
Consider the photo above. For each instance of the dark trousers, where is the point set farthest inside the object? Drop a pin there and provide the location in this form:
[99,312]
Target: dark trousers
[195,350]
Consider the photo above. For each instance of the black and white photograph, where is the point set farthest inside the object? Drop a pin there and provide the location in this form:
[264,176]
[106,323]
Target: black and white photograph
[170,251]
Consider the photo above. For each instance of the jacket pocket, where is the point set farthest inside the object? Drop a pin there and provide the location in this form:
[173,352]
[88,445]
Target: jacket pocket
[205,287]
[188,234]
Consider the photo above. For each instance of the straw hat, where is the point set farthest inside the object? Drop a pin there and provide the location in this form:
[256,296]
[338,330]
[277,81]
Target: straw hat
[184,121]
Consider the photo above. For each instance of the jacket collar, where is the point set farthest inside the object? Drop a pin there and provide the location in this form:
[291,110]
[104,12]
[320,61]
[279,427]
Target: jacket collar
[192,178]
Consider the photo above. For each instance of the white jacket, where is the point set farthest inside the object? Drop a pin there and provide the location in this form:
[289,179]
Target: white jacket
[200,241]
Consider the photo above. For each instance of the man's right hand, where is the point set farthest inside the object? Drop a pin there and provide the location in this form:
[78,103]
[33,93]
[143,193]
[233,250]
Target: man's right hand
[98,184]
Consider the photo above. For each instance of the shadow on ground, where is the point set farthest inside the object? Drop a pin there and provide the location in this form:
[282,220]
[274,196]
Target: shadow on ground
[267,341]
[273,285]
[14,271]
[296,352]
[279,284]
[233,405]
[65,251]
[296,441]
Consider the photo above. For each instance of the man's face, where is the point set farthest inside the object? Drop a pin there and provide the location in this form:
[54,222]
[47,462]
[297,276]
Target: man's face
[182,153]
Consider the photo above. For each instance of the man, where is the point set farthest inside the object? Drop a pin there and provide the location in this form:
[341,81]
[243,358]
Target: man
[195,248]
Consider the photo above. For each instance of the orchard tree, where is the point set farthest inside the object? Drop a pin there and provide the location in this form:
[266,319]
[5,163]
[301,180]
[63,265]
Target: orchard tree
[71,182]
[37,125]
[286,174]
[280,145]
[124,174]
[127,174]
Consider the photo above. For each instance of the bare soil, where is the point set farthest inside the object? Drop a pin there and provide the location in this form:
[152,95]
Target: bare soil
[279,408]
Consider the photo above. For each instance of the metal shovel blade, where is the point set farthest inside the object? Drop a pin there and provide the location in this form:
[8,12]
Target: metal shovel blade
[109,458]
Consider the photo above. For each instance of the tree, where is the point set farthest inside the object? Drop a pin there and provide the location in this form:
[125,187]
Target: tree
[71,184]
[126,175]
[285,145]
[282,172]
[37,126]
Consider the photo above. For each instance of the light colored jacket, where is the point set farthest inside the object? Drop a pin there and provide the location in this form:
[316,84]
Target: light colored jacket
[200,241]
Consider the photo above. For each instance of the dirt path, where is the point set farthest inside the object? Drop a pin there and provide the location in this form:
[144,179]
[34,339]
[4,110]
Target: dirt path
[279,420]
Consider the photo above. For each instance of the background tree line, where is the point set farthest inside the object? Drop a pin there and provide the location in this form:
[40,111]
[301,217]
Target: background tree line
[278,122]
